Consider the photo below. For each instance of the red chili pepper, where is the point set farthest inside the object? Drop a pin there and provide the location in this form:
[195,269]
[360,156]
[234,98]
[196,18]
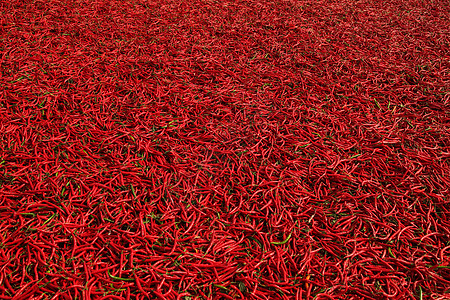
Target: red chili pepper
[225,159]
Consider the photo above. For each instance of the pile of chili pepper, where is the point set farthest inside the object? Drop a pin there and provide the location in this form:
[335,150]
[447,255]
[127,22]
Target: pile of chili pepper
[203,149]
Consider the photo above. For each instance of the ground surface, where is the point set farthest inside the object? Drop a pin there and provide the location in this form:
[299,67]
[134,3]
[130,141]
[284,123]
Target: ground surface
[224,149]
